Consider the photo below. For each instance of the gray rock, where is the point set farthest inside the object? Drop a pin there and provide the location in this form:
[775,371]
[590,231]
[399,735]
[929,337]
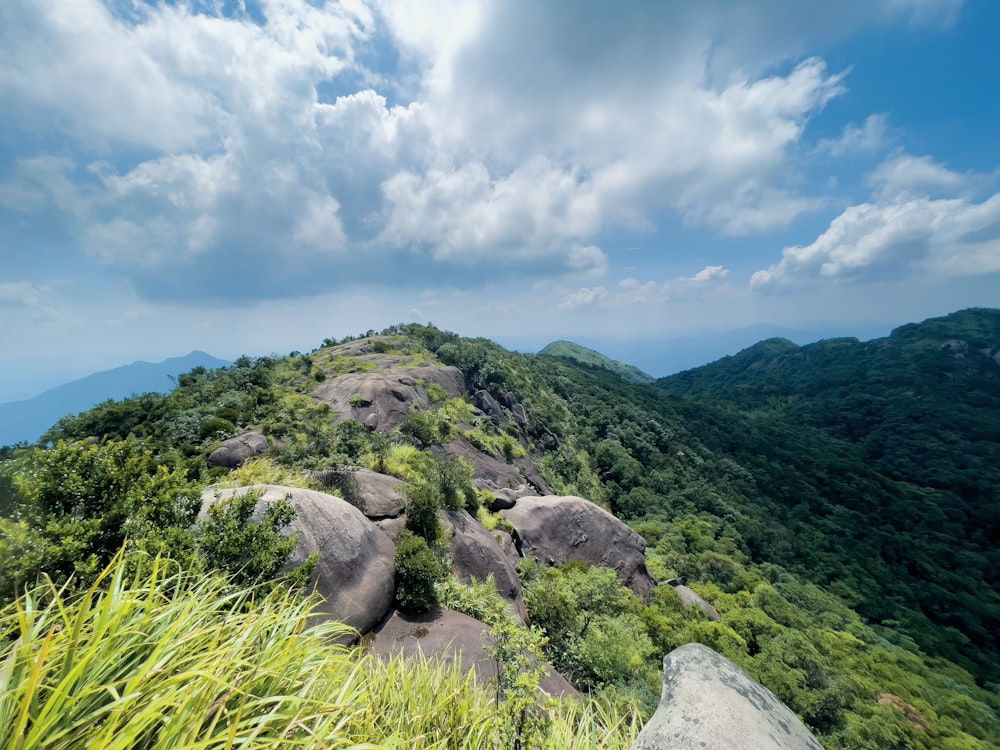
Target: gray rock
[691,599]
[476,555]
[376,495]
[708,703]
[449,635]
[382,398]
[485,402]
[558,529]
[491,471]
[503,499]
[355,573]
[235,451]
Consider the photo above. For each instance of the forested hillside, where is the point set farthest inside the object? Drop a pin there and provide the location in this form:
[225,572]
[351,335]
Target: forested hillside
[834,503]
[884,460]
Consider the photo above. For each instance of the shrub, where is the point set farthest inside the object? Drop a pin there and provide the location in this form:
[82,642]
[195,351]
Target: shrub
[418,571]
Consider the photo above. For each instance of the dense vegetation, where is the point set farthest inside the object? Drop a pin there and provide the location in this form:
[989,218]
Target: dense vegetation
[836,504]
[585,356]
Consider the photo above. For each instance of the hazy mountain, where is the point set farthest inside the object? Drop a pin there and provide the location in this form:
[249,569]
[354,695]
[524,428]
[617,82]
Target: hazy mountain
[27,420]
[582,354]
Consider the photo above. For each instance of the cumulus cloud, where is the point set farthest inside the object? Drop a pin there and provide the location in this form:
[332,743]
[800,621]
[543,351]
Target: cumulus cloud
[233,155]
[907,229]
[631,291]
[858,140]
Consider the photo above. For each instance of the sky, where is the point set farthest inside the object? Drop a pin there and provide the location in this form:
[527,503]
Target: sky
[253,176]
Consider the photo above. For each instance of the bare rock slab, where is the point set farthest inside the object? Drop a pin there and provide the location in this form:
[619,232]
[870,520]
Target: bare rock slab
[235,451]
[448,635]
[558,529]
[382,399]
[355,573]
[709,703]
[476,555]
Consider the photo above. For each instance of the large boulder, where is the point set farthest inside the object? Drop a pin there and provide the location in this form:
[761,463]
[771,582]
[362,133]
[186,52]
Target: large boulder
[709,703]
[235,451]
[490,472]
[692,599]
[476,555]
[382,399]
[355,573]
[558,529]
[376,495]
[450,636]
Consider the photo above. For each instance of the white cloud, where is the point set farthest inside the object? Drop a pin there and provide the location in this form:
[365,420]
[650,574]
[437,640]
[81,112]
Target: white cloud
[904,231]
[858,140]
[631,291]
[236,157]
[585,296]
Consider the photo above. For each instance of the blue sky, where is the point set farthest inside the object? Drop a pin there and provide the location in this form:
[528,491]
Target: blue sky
[252,177]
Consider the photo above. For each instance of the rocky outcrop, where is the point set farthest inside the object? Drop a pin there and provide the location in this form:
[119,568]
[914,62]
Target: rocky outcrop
[382,399]
[691,599]
[376,495]
[708,703]
[477,555]
[492,473]
[448,635]
[355,573]
[235,451]
[558,529]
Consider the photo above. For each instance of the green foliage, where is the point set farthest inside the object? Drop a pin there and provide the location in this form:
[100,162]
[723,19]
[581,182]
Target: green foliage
[418,573]
[517,655]
[77,504]
[250,551]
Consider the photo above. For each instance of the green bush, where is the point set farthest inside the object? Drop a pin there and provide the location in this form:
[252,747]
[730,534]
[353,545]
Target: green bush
[418,572]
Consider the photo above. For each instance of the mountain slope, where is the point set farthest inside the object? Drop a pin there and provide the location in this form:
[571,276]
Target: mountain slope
[890,450]
[27,420]
[786,527]
[583,355]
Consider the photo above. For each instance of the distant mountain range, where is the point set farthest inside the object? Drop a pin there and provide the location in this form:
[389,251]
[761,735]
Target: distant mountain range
[27,420]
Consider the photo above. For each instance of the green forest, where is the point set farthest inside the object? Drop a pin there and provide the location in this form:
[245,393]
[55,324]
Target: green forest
[836,503]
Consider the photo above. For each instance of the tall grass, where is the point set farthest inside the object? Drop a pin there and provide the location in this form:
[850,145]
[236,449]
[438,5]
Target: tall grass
[165,659]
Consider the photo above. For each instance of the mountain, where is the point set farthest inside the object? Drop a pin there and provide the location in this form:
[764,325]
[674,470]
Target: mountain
[569,350]
[829,510]
[27,420]
[885,456]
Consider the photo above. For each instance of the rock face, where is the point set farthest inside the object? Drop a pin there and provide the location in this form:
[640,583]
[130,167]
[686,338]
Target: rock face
[708,703]
[450,635]
[691,599]
[376,495]
[382,399]
[476,555]
[355,573]
[235,451]
[491,472]
[557,529]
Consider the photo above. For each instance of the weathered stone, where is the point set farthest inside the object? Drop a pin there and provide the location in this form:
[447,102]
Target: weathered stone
[235,451]
[488,469]
[382,399]
[392,527]
[448,635]
[503,499]
[355,573]
[476,555]
[558,529]
[485,402]
[691,599]
[708,703]
[376,495]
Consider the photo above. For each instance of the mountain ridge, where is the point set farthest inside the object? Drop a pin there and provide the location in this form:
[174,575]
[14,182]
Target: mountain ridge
[27,419]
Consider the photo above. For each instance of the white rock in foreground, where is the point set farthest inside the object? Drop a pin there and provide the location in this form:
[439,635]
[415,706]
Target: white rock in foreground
[708,703]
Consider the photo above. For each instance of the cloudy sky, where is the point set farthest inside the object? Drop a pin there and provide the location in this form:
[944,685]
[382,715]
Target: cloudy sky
[254,176]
